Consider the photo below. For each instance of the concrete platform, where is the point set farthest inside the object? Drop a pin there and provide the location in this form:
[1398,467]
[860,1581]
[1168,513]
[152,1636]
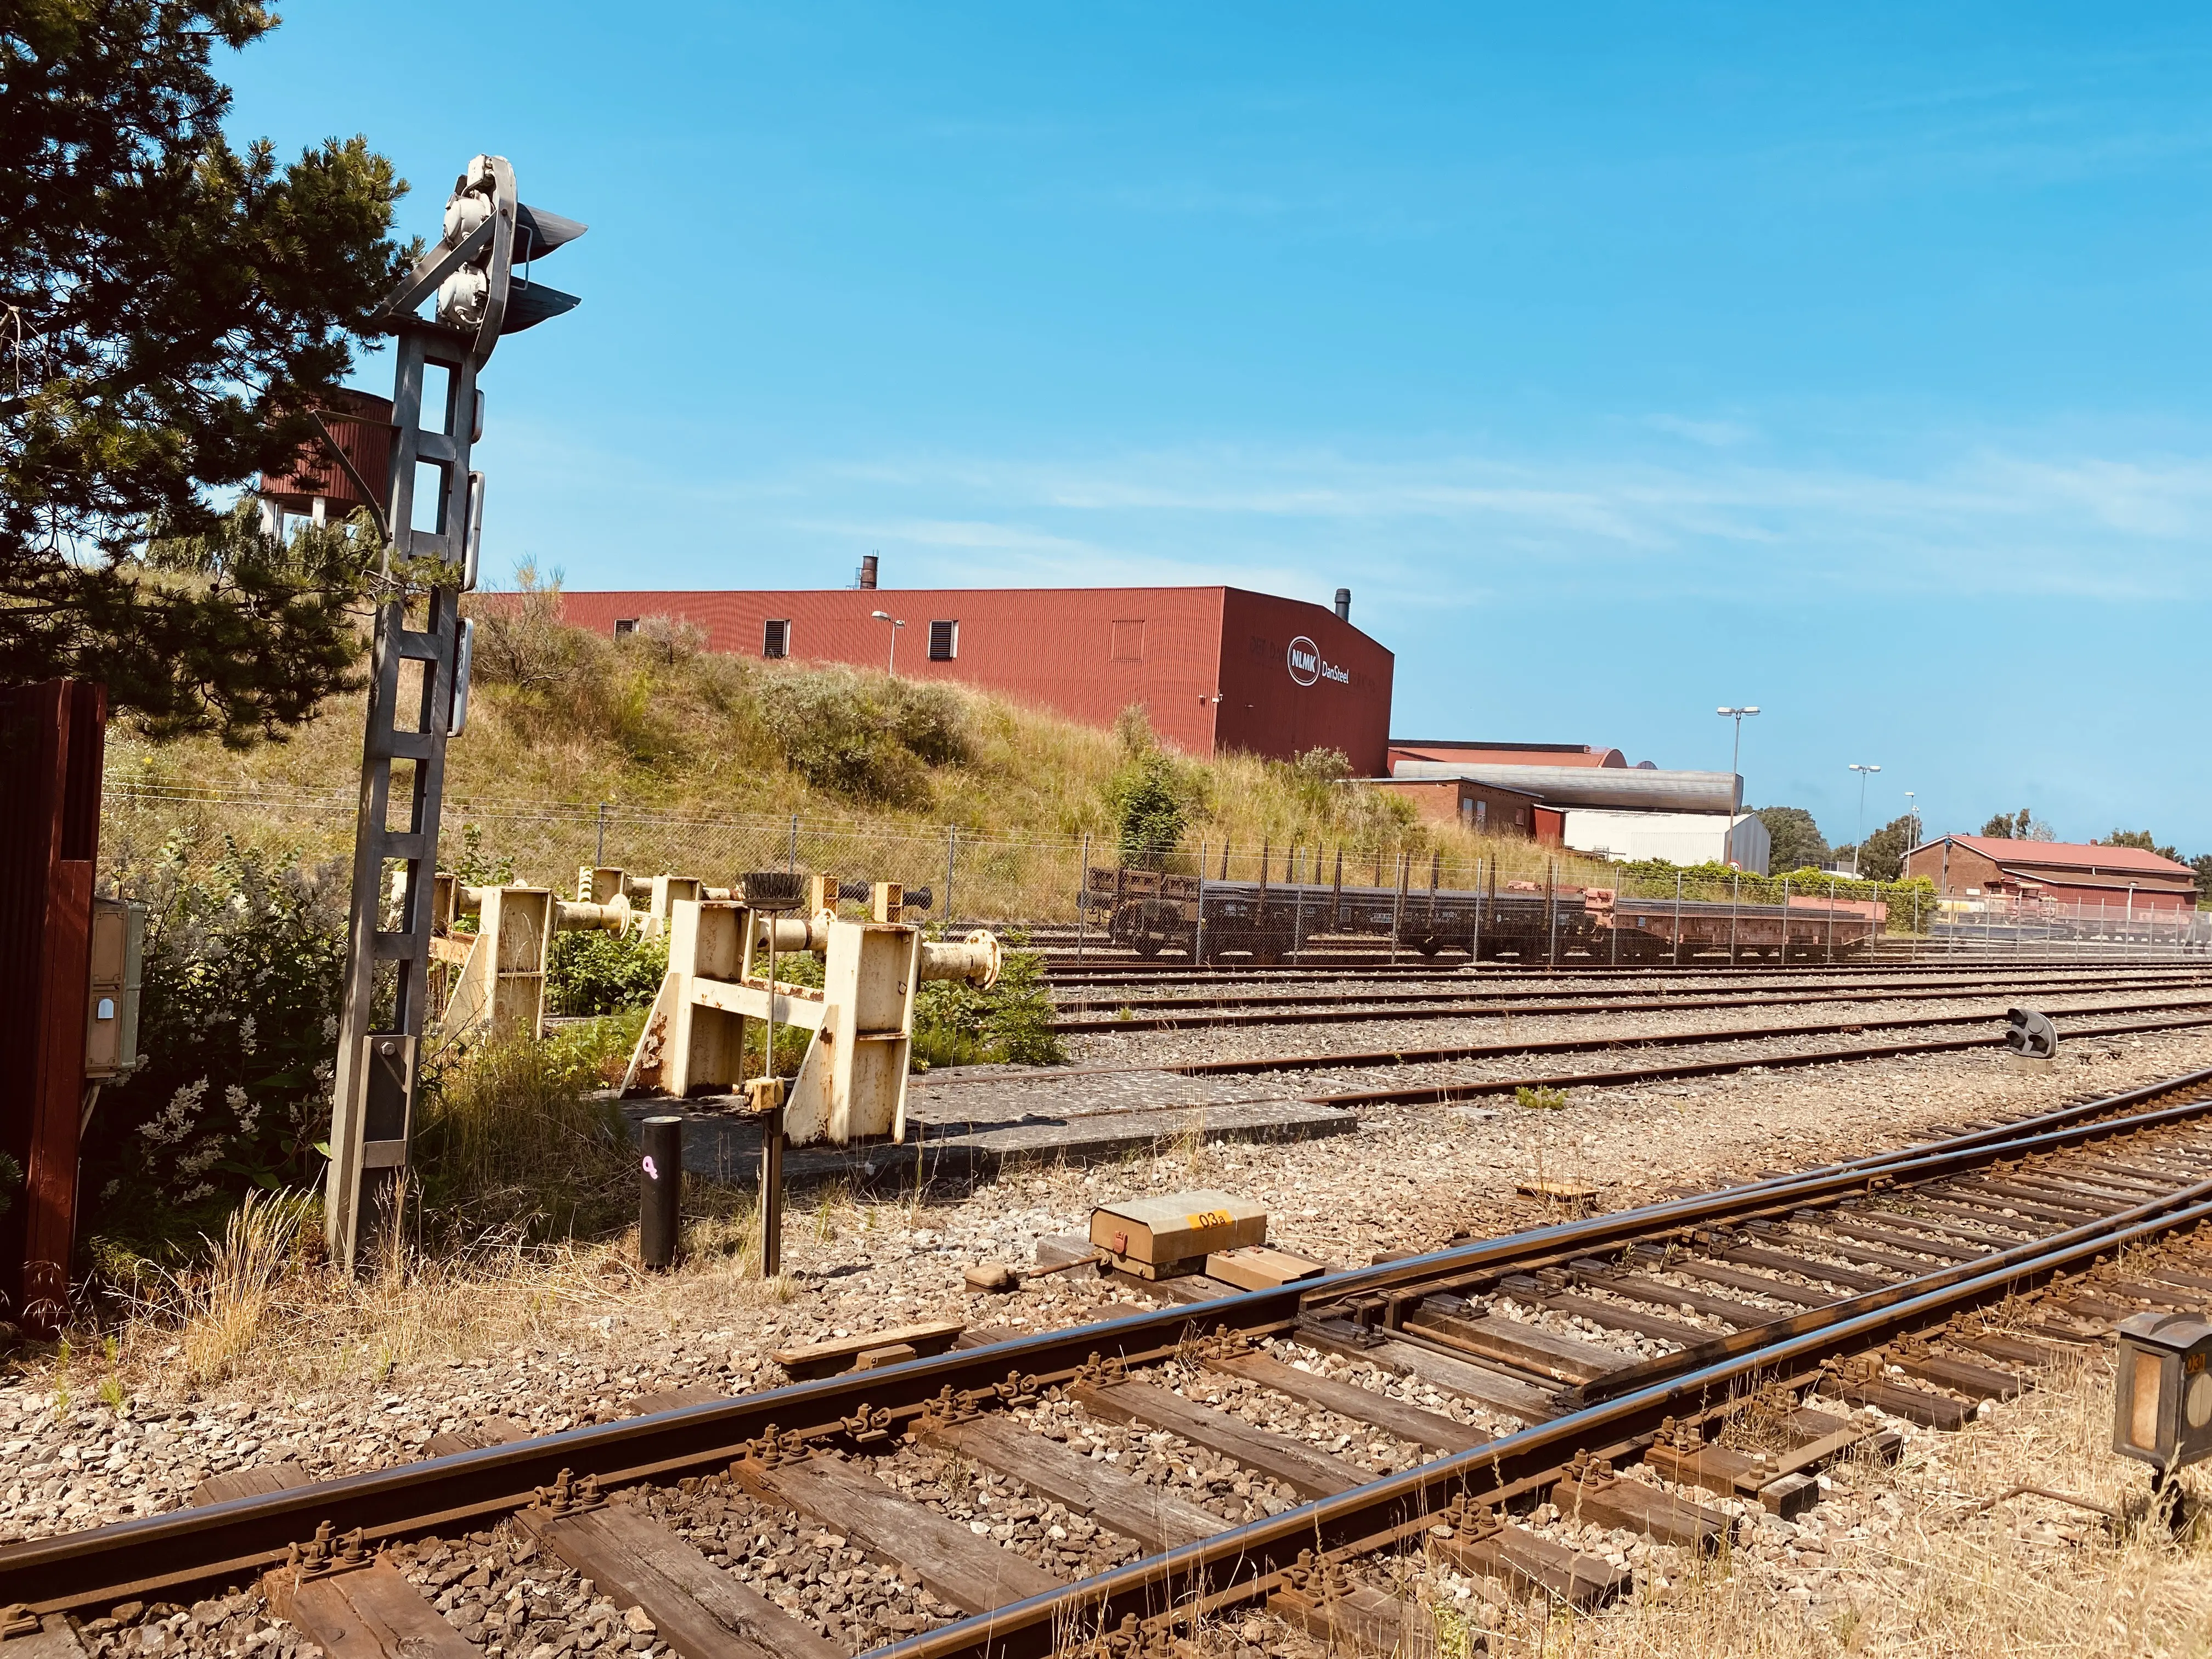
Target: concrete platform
[966,1125]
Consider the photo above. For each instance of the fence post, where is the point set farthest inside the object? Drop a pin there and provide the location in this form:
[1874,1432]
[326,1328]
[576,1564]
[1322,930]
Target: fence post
[1552,911]
[1475,947]
[1198,934]
[1612,944]
[1678,918]
[1785,922]
[1736,899]
[1397,906]
[600,846]
[1832,921]
[1083,899]
[951,849]
[791,860]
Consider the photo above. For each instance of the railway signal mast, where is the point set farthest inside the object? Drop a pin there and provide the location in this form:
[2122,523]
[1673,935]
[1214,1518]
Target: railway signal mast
[479,275]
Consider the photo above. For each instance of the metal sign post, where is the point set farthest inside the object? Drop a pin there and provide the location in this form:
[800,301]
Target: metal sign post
[472,271]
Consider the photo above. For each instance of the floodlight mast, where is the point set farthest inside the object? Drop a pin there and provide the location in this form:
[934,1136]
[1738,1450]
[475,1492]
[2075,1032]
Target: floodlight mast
[471,272]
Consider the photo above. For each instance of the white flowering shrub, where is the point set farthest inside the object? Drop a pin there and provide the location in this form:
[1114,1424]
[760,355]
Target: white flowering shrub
[238,1022]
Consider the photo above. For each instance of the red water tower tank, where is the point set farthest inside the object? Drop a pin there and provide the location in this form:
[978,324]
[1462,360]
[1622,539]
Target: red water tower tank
[361,422]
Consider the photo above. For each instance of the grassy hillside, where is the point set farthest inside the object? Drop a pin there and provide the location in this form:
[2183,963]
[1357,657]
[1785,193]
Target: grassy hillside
[705,760]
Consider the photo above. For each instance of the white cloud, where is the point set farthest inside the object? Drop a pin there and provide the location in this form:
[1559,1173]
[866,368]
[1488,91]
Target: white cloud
[1962,517]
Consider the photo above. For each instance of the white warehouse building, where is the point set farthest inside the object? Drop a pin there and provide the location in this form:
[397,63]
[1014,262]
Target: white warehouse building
[1619,811]
[1678,837]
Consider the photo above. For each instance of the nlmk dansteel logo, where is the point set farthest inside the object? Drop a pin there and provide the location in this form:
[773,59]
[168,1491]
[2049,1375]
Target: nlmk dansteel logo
[1308,665]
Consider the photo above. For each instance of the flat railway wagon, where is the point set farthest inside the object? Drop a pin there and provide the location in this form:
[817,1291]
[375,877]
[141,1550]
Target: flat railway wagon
[1155,912]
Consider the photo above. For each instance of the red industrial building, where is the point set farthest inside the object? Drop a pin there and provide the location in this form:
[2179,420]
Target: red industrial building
[2119,878]
[1464,753]
[1217,669]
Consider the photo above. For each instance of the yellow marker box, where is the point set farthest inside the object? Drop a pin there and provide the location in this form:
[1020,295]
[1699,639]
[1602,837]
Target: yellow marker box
[1160,1237]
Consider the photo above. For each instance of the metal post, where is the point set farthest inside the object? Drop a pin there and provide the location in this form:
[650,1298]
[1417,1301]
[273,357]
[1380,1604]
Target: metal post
[952,852]
[771,1193]
[1224,858]
[1475,949]
[1678,918]
[1298,906]
[1397,908]
[372,1099]
[1831,920]
[1336,904]
[1785,922]
[1083,897]
[791,858]
[600,846]
[1198,934]
[1736,899]
[1260,910]
[661,1193]
[1552,911]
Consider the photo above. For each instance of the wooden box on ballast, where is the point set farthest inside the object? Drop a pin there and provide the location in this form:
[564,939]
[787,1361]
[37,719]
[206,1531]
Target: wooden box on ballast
[1159,1237]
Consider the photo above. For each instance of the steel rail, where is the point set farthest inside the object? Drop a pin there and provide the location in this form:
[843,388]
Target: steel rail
[223,1541]
[1292,1010]
[1246,1561]
[1376,965]
[1374,1057]
[1432,1094]
[1572,1045]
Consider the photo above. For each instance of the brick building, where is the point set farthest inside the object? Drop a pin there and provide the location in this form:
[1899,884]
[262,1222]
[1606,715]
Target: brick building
[1481,807]
[1217,669]
[1975,866]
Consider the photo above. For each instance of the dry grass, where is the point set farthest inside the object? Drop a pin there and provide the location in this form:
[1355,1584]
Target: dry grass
[270,1313]
[222,1309]
[684,736]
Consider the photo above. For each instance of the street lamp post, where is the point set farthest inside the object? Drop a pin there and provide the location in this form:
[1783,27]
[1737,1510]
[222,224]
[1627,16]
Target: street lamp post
[1912,817]
[897,623]
[1859,850]
[1735,756]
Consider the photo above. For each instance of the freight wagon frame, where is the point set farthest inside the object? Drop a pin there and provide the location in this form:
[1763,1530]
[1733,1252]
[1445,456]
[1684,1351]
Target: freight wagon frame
[1156,912]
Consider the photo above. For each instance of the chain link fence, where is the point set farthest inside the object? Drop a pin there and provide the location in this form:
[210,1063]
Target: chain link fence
[967,877]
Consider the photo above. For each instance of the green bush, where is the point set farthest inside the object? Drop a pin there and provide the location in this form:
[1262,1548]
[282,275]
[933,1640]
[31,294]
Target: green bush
[955,1024]
[869,737]
[593,973]
[239,1028]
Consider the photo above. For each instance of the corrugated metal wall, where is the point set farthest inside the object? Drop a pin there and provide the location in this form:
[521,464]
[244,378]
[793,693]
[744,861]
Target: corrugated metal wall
[1085,652]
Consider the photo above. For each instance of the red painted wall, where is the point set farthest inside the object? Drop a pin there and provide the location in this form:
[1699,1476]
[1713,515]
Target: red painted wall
[1266,709]
[1086,652]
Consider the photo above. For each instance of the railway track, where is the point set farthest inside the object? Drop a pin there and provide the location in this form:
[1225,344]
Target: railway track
[2097,1021]
[1287,1445]
[1159,971]
[1289,1008]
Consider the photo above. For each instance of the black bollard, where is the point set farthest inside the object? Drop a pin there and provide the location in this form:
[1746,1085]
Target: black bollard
[661,1196]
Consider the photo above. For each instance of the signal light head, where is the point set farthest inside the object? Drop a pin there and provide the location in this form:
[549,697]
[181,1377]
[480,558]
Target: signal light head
[462,297]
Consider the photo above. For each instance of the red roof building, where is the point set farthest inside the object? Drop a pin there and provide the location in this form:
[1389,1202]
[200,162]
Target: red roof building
[1217,669]
[2069,872]
[1477,753]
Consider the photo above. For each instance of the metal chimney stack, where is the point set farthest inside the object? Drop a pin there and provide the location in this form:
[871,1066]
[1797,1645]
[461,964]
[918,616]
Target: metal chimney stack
[867,570]
[1344,605]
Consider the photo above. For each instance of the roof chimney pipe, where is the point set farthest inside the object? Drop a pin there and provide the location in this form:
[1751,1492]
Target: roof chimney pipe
[1344,605]
[867,570]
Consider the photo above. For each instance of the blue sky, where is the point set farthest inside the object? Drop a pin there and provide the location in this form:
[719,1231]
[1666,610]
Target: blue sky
[1624,362]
